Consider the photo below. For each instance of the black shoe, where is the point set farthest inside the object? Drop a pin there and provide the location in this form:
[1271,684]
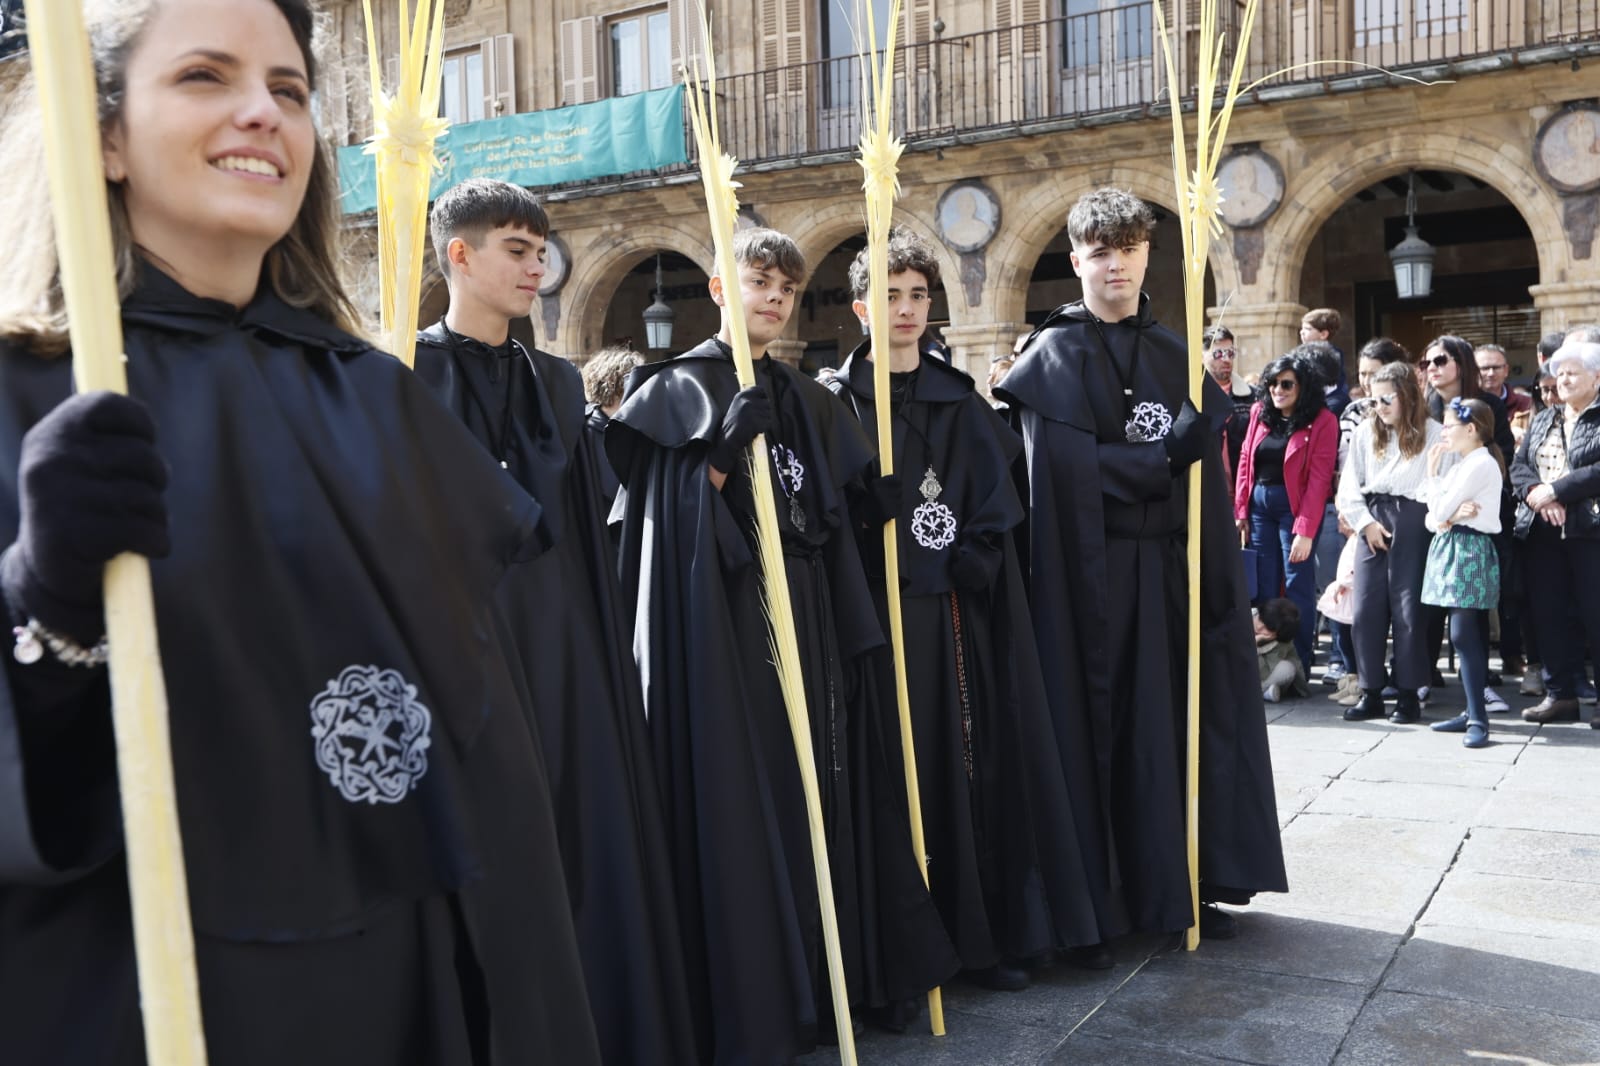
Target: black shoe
[1407,709]
[1090,957]
[1370,705]
[1493,679]
[897,1016]
[1216,923]
[1001,977]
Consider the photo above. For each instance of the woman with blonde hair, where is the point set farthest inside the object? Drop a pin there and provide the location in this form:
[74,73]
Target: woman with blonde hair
[1380,497]
[372,866]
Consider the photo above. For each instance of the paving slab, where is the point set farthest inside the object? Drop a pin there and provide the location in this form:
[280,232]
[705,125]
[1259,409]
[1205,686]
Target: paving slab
[1343,887]
[1201,1008]
[1528,853]
[1294,794]
[1389,840]
[1419,741]
[1277,943]
[1060,995]
[1399,1028]
[1552,812]
[1558,773]
[1447,768]
[1325,734]
[1519,905]
[1313,762]
[968,1039]
[1561,976]
[1402,800]
[1081,1050]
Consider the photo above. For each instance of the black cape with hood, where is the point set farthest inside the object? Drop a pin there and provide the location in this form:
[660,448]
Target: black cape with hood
[724,753]
[372,864]
[564,621]
[1105,547]
[1005,868]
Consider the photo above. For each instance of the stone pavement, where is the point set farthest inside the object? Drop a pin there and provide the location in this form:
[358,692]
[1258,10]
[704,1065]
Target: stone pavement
[1444,908]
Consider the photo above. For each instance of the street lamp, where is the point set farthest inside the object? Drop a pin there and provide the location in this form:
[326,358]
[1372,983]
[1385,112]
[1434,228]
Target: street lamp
[658,317]
[1413,256]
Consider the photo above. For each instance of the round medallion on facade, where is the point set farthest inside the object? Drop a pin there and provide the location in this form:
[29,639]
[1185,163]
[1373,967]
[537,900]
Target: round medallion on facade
[1566,149]
[1251,183]
[969,216]
[371,734]
[455,11]
[557,266]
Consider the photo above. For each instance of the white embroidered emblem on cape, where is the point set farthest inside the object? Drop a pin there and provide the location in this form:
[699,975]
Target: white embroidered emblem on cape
[371,734]
[1150,422]
[933,525]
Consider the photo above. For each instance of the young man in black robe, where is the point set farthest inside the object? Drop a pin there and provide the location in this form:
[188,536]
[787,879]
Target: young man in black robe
[1100,394]
[724,751]
[561,618]
[1005,869]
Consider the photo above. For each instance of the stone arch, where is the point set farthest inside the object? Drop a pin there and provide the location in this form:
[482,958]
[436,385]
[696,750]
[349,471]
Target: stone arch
[1032,221]
[820,232]
[601,261]
[1327,181]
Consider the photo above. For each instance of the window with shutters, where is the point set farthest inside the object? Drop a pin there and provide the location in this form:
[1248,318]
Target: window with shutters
[842,31]
[478,81]
[640,51]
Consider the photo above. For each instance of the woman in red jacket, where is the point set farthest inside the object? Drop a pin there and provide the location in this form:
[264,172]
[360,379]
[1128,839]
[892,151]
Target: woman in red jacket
[1283,483]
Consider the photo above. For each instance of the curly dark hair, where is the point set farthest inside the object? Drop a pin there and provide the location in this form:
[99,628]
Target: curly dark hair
[1308,403]
[907,251]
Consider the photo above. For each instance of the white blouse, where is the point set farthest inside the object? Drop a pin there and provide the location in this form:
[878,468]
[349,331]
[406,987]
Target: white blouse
[1367,474]
[1476,477]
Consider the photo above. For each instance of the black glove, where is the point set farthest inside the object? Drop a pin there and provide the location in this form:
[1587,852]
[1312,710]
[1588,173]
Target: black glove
[749,416]
[89,485]
[1187,441]
[976,563]
[884,498]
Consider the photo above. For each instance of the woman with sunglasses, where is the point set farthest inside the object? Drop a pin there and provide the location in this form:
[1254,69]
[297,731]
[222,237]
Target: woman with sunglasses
[1380,497]
[1452,372]
[1284,478]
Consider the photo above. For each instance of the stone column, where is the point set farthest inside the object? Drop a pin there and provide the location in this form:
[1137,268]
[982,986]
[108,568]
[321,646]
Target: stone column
[1261,332]
[787,351]
[1564,304]
[972,347]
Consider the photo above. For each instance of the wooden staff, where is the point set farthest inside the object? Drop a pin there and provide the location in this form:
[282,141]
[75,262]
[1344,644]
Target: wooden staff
[163,940]
[722,203]
[880,162]
[1199,202]
[405,129]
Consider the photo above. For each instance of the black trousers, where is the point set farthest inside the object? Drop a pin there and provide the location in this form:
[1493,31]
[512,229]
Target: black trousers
[1563,576]
[1389,592]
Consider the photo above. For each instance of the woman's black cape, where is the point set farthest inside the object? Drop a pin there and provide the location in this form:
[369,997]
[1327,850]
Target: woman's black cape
[372,865]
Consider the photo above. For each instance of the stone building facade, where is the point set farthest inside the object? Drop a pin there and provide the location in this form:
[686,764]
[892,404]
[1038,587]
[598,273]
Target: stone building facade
[1013,108]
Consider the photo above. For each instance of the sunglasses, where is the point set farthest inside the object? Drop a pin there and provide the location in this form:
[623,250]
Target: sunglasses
[1223,353]
[1284,385]
[1387,401]
[1440,360]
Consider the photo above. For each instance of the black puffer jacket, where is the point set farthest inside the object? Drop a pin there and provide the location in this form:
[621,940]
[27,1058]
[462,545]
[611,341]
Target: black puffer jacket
[1579,490]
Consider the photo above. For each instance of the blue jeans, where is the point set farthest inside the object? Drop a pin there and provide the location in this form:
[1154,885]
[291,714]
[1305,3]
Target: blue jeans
[1272,535]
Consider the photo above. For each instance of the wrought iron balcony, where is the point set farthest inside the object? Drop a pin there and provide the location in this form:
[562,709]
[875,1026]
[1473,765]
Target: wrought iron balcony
[1106,66]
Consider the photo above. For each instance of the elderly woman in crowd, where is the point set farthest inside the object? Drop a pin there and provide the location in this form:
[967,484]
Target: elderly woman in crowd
[1283,481]
[1556,482]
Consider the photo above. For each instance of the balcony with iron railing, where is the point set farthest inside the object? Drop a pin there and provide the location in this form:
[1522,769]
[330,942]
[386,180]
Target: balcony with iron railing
[1107,66]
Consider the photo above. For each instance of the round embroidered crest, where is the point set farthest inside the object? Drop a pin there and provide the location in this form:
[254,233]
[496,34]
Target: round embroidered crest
[1150,422]
[371,734]
[933,525]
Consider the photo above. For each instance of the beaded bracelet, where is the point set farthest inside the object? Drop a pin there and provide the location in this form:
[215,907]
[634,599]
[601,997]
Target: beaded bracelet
[34,639]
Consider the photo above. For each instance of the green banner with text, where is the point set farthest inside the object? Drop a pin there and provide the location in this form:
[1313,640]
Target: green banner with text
[627,133]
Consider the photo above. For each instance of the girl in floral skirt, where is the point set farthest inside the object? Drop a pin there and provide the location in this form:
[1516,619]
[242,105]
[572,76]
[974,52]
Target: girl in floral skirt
[1463,572]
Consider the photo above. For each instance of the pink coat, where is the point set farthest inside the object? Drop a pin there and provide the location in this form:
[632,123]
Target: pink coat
[1308,466]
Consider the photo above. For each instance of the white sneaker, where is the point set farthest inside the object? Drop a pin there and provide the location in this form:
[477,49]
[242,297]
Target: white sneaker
[1270,694]
[1532,681]
[1494,703]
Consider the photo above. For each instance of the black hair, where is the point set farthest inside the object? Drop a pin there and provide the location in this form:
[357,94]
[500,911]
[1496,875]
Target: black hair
[1281,617]
[907,251]
[476,206]
[1309,402]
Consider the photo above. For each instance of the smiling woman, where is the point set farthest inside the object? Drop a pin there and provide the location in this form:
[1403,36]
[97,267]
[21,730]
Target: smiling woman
[359,792]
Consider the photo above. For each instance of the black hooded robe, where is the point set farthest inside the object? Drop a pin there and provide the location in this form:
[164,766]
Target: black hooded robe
[1005,869]
[724,753]
[1107,572]
[564,622]
[372,866]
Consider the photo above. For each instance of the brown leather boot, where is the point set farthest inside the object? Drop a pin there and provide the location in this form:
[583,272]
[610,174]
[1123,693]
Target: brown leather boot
[1552,710]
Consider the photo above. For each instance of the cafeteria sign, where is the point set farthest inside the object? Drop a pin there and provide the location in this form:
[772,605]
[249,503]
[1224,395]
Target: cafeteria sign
[642,131]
